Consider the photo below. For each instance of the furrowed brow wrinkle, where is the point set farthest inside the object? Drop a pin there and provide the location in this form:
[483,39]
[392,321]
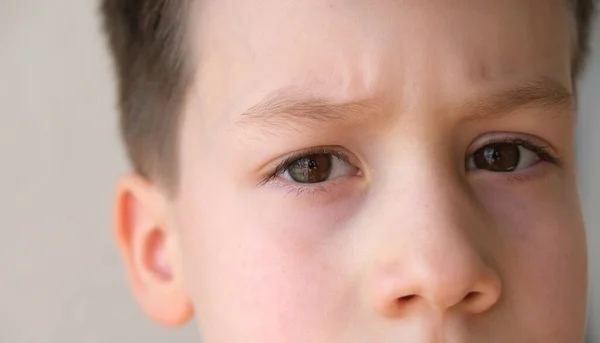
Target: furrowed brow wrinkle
[283,108]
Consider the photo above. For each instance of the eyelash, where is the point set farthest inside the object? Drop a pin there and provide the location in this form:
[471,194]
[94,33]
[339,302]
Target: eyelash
[542,151]
[288,161]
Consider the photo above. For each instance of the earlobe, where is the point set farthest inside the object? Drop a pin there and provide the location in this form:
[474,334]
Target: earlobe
[148,245]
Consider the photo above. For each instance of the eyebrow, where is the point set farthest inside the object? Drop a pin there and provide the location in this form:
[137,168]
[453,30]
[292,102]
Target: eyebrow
[286,107]
[292,106]
[545,94]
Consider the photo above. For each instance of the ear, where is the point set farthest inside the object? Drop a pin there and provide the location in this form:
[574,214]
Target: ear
[149,247]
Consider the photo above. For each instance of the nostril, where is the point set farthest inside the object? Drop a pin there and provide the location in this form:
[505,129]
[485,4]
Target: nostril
[406,298]
[397,306]
[471,296]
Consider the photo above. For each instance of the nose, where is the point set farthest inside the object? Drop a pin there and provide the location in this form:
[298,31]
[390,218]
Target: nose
[442,280]
[435,253]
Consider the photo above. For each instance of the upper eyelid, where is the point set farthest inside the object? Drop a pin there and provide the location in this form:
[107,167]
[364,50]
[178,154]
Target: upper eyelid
[535,144]
[509,137]
[333,150]
[289,160]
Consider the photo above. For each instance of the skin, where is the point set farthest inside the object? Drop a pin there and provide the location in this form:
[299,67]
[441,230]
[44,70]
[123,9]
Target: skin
[407,243]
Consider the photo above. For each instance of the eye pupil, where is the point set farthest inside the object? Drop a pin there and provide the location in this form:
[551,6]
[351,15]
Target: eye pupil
[311,169]
[499,157]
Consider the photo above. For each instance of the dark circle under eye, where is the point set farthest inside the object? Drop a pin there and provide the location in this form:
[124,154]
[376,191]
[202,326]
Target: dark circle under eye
[498,157]
[311,169]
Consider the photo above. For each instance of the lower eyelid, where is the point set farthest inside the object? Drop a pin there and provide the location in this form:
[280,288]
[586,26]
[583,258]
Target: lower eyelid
[519,178]
[298,189]
[325,186]
[537,171]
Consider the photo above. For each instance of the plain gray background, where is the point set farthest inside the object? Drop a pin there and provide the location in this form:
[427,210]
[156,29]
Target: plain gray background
[61,279]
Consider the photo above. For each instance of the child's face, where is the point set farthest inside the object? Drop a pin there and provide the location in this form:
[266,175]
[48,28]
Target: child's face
[438,201]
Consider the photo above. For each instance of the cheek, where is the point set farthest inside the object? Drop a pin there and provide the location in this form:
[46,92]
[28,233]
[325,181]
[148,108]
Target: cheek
[543,256]
[257,267]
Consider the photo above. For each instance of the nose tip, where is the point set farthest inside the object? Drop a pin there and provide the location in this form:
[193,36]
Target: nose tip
[471,289]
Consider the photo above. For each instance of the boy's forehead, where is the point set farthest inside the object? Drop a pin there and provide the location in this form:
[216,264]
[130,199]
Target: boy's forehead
[362,48]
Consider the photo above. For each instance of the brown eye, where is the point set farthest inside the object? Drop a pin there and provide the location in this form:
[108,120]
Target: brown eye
[504,158]
[311,169]
[498,157]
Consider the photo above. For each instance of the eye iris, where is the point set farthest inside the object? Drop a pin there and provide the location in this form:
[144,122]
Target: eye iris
[500,157]
[311,169]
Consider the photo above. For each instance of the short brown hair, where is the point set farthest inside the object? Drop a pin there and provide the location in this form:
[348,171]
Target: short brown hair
[147,42]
